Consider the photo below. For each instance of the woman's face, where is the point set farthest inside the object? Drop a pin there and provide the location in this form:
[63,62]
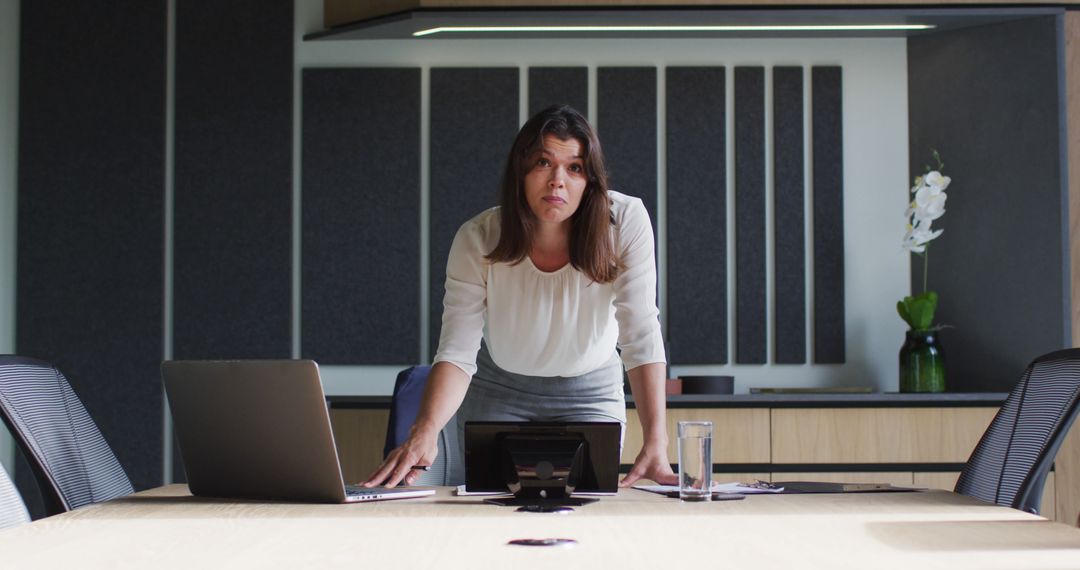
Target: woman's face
[556,181]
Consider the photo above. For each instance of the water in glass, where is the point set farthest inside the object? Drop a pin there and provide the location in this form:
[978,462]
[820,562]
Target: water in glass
[695,461]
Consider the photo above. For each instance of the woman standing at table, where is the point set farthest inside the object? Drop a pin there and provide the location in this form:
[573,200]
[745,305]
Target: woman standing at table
[553,279]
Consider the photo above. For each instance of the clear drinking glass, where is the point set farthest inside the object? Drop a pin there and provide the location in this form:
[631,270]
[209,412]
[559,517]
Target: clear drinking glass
[695,461]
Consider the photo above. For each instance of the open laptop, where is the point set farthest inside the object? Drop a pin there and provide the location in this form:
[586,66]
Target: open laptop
[260,429]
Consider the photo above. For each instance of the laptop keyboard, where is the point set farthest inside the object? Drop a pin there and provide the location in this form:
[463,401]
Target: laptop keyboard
[357,491]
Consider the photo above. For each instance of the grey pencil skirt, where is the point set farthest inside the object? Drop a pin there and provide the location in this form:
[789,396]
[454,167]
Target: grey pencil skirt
[498,395]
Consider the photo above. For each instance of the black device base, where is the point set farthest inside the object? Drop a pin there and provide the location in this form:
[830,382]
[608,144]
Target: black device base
[554,509]
[539,502]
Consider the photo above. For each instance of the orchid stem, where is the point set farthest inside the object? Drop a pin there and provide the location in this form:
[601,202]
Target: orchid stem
[925,266]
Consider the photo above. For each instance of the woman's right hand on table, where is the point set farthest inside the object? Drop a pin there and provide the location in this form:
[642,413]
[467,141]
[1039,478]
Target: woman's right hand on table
[420,449]
[446,387]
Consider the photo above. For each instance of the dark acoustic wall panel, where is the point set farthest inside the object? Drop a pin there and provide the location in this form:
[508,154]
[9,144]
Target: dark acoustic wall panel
[233,179]
[90,212]
[789,217]
[558,85]
[987,99]
[474,118]
[697,206]
[360,274]
[828,167]
[750,290]
[626,105]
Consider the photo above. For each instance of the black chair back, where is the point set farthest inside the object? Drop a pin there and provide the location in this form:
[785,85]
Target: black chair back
[73,463]
[1010,464]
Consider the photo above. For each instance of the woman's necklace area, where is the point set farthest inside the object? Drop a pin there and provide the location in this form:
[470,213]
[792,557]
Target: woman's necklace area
[549,263]
[550,253]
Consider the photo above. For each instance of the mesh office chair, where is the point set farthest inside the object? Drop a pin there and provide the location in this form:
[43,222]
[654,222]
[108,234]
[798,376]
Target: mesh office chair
[12,509]
[408,390]
[73,464]
[1011,461]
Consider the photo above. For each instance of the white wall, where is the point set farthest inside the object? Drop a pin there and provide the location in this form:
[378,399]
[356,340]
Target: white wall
[875,169]
[9,105]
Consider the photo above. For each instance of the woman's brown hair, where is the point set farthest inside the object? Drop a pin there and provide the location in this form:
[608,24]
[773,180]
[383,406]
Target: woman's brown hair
[592,248]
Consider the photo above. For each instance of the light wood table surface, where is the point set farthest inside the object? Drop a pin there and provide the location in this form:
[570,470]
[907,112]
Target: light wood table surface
[168,528]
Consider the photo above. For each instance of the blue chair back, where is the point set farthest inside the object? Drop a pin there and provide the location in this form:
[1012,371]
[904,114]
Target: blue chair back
[408,390]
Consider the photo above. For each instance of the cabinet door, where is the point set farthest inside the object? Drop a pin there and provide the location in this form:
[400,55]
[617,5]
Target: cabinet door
[877,435]
[740,435]
[896,478]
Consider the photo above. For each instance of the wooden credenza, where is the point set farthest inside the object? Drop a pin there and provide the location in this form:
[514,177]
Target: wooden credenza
[904,439]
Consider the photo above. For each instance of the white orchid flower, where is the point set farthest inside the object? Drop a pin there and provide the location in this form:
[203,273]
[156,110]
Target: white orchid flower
[922,234]
[919,235]
[911,244]
[929,203]
[934,179]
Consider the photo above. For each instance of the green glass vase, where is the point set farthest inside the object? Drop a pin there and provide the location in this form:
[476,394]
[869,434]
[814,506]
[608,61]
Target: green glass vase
[922,363]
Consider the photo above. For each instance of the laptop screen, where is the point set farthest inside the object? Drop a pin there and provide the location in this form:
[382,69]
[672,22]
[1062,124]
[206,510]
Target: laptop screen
[254,429]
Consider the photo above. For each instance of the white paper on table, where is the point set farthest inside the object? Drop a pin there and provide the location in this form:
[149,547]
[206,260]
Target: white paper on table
[461,492]
[717,487]
[744,489]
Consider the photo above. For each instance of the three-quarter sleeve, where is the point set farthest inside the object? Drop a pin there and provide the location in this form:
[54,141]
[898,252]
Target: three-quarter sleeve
[465,299]
[635,290]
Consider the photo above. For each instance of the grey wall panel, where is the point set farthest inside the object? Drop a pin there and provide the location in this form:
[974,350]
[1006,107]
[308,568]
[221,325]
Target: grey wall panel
[789,226]
[558,85]
[697,203]
[626,125]
[828,165]
[474,117]
[90,212]
[987,99]
[233,179]
[750,290]
[360,275]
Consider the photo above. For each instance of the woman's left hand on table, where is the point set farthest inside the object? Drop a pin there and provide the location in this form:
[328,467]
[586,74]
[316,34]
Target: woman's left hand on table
[651,463]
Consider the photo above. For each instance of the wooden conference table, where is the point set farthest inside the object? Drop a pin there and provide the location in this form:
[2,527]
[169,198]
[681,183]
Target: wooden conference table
[168,528]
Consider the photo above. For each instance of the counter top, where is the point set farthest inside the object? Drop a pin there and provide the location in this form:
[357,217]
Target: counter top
[875,400]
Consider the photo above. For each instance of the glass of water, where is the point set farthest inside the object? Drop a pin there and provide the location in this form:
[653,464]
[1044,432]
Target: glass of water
[695,461]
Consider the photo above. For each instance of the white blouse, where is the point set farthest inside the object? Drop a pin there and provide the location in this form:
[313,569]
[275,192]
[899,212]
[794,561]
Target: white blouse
[551,324]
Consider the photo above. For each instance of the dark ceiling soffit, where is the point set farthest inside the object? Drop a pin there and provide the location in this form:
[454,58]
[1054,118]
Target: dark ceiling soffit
[402,25]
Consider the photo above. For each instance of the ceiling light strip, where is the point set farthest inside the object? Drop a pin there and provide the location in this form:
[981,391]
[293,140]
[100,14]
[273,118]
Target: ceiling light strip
[732,28]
